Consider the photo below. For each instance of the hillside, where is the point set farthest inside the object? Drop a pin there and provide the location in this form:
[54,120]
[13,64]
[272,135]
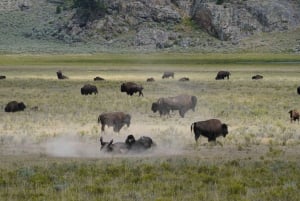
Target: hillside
[53,26]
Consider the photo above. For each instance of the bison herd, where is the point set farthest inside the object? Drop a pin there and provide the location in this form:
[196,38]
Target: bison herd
[211,129]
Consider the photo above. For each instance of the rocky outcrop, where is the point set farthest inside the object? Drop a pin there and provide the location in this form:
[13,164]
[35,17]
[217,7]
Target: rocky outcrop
[237,19]
[170,23]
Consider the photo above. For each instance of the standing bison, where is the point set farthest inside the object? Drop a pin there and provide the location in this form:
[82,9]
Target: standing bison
[60,76]
[89,89]
[115,119]
[150,79]
[14,106]
[222,75]
[182,103]
[167,75]
[294,115]
[130,88]
[211,129]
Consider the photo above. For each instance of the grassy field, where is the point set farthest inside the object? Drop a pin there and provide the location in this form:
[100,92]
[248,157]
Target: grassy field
[53,153]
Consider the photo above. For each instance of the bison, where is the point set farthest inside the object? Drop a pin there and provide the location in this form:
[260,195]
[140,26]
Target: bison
[118,147]
[2,77]
[115,119]
[294,115]
[182,103]
[257,77]
[130,88]
[142,144]
[151,79]
[222,74]
[89,89]
[298,90]
[98,79]
[60,76]
[167,75]
[184,79]
[14,106]
[211,129]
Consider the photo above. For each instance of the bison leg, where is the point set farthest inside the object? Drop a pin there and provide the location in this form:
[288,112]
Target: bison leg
[182,112]
[102,127]
[141,93]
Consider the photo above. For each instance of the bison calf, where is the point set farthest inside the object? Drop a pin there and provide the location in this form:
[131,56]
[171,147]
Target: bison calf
[294,115]
[14,106]
[115,119]
[211,129]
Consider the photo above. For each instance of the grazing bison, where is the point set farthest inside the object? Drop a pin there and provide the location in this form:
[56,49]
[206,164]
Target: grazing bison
[60,76]
[118,147]
[151,79]
[89,89]
[182,103]
[14,106]
[184,79]
[294,115]
[130,88]
[2,77]
[98,79]
[167,75]
[211,129]
[298,90]
[142,144]
[257,77]
[222,74]
[115,119]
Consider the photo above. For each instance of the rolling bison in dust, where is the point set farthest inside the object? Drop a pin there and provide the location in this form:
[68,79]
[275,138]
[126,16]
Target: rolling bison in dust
[142,144]
[211,129]
[222,74]
[130,88]
[89,89]
[257,77]
[14,106]
[115,119]
[294,115]
[60,76]
[118,147]
[167,75]
[182,103]
[131,145]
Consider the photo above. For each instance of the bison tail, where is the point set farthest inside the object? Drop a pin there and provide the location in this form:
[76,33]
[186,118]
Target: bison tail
[99,119]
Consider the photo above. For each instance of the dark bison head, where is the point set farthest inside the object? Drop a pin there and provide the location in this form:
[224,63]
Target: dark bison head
[123,88]
[224,130]
[21,106]
[154,107]
[130,140]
